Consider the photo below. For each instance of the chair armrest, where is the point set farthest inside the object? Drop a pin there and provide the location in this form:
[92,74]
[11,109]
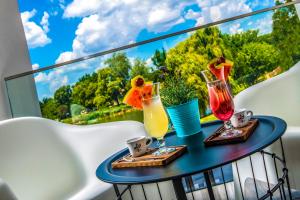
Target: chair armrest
[93,144]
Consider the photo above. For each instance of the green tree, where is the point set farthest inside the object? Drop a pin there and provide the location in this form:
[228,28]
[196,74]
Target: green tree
[63,111]
[140,68]
[114,90]
[159,58]
[120,67]
[254,60]
[49,108]
[76,110]
[190,57]
[236,42]
[84,91]
[102,97]
[63,95]
[286,29]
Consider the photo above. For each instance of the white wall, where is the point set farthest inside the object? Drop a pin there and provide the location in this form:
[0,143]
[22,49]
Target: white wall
[14,57]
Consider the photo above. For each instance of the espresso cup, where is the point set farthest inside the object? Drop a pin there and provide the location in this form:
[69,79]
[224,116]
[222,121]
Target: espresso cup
[241,118]
[139,145]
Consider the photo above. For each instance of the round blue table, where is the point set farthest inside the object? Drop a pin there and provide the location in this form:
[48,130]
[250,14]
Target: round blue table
[198,157]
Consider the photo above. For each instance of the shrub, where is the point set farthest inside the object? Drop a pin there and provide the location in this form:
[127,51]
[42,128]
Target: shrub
[175,91]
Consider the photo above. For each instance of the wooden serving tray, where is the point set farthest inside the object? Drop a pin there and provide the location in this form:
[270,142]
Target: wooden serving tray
[217,139]
[149,160]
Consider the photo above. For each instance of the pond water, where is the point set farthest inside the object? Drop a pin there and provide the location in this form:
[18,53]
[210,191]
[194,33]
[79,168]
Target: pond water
[135,115]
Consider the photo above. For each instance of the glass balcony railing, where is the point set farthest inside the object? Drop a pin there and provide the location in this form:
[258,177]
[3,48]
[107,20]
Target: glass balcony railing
[90,90]
[144,22]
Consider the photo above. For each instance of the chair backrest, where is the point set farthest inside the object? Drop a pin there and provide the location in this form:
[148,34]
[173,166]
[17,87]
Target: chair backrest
[278,96]
[44,159]
[35,162]
[93,144]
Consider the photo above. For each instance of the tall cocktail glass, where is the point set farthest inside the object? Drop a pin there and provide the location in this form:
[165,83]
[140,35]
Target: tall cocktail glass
[155,119]
[221,102]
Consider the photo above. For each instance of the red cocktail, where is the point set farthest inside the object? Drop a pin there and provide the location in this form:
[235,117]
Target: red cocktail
[220,101]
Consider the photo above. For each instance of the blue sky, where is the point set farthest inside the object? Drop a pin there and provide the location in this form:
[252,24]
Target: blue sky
[62,30]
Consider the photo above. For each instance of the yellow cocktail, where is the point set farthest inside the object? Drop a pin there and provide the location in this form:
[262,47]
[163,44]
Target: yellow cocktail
[155,118]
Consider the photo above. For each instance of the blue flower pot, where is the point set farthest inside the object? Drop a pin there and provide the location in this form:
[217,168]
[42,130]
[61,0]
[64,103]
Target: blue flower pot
[185,118]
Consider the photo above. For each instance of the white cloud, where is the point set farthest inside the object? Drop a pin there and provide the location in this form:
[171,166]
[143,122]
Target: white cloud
[93,33]
[220,9]
[235,28]
[35,66]
[131,60]
[41,77]
[107,24]
[163,17]
[36,36]
[79,8]
[27,15]
[191,14]
[65,56]
[101,62]
[58,82]
[63,75]
[45,22]
[264,24]
[55,78]
[149,62]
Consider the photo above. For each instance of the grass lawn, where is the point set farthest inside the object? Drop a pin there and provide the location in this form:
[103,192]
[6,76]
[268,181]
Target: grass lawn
[98,116]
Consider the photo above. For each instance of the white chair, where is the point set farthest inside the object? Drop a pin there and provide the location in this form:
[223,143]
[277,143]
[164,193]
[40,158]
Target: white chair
[45,159]
[278,96]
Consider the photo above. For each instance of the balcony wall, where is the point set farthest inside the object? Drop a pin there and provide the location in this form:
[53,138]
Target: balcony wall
[14,59]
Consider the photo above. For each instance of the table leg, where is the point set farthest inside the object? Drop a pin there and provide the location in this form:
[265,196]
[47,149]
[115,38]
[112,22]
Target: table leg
[117,191]
[287,176]
[209,186]
[179,189]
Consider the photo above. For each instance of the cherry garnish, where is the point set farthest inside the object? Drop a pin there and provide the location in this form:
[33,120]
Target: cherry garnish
[139,82]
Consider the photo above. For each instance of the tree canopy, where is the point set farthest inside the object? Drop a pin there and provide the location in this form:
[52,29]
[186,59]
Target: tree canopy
[120,66]
[63,95]
[286,37]
[159,57]
[84,91]
[140,68]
